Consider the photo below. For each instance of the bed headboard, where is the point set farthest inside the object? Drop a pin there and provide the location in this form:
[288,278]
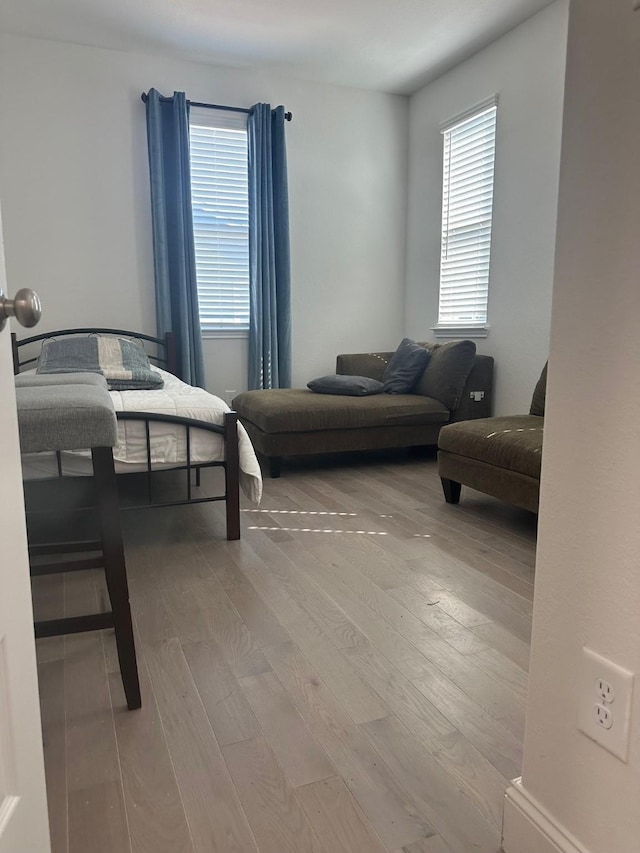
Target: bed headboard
[161,351]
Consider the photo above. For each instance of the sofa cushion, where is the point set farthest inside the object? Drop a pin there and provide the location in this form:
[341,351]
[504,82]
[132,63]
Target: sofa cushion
[348,386]
[446,372]
[282,410]
[513,442]
[405,367]
[539,395]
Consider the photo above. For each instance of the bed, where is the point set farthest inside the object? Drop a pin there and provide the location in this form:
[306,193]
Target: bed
[176,427]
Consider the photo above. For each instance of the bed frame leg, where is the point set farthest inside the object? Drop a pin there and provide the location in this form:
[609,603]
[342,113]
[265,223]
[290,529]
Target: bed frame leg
[451,490]
[232,475]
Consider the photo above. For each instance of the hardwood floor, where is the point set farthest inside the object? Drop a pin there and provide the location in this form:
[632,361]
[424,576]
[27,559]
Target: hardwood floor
[350,677]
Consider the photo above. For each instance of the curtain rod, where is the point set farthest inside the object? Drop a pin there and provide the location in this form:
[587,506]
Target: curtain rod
[143,98]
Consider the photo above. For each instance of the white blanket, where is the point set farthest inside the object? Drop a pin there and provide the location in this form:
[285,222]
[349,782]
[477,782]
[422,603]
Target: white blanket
[168,441]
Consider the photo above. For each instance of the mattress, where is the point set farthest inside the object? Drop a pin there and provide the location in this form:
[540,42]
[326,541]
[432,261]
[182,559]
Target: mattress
[168,441]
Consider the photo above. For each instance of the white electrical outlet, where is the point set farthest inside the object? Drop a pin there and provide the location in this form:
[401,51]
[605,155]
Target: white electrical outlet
[603,716]
[228,397]
[605,703]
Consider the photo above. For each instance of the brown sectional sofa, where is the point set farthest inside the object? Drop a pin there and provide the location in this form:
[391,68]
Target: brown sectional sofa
[296,421]
[499,456]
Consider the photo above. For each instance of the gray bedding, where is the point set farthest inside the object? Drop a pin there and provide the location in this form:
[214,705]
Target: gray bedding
[123,363]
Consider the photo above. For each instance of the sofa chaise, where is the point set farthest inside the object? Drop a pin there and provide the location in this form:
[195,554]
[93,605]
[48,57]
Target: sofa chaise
[499,456]
[455,385]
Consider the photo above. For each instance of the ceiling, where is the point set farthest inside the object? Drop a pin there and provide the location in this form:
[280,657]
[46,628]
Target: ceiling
[384,45]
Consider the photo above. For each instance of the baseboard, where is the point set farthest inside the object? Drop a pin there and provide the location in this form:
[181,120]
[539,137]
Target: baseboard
[527,827]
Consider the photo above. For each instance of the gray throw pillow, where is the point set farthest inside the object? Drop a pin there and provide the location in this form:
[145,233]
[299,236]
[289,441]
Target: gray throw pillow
[350,386]
[405,367]
[447,372]
[539,394]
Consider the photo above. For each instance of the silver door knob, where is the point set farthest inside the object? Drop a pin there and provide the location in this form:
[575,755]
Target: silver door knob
[25,307]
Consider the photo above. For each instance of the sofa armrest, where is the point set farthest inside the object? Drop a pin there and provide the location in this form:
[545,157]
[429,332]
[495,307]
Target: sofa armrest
[477,397]
[371,364]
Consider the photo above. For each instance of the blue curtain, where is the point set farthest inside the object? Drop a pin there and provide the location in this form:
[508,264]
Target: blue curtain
[269,265]
[173,248]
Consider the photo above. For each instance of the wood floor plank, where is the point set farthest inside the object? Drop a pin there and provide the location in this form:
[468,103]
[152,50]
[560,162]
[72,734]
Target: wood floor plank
[505,642]
[425,719]
[390,811]
[229,712]
[461,826]
[365,614]
[460,611]
[495,609]
[253,610]
[216,819]
[203,611]
[353,711]
[332,811]
[325,611]
[277,820]
[93,768]
[97,819]
[356,697]
[433,509]
[475,775]
[503,670]
[153,624]
[385,569]
[363,601]
[53,715]
[416,523]
[91,743]
[473,558]
[390,606]
[47,594]
[154,808]
[487,734]
[461,572]
[427,610]
[435,844]
[299,753]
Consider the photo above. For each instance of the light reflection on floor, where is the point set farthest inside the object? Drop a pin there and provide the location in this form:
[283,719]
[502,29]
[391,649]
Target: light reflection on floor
[320,530]
[300,512]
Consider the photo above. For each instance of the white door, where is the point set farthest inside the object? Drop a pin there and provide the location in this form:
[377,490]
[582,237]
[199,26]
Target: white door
[23,805]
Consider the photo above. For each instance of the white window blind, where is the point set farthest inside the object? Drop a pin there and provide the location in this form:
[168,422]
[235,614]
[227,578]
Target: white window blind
[467,204]
[219,198]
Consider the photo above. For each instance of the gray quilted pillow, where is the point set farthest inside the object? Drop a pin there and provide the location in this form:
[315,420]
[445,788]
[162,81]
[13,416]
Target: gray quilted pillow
[447,372]
[405,367]
[350,386]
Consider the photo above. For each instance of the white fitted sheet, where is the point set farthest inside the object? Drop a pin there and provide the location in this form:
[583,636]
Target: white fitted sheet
[168,441]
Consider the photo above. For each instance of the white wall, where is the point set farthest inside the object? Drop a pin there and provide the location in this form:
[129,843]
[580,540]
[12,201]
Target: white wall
[587,572]
[525,68]
[74,183]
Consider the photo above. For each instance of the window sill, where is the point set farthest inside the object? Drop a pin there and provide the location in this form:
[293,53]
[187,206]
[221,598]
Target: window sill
[481,331]
[219,334]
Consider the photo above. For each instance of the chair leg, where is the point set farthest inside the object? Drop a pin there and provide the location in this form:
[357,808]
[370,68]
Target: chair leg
[116,572]
[275,466]
[451,490]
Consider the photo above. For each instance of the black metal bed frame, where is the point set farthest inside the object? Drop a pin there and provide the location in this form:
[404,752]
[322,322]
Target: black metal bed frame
[165,356]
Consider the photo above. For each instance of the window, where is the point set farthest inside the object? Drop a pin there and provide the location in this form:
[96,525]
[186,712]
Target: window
[467,204]
[219,198]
